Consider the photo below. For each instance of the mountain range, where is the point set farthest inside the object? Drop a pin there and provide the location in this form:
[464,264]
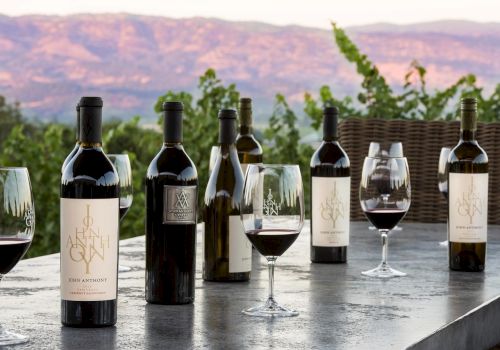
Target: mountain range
[48,62]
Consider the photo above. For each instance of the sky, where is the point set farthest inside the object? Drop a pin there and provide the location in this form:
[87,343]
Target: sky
[312,13]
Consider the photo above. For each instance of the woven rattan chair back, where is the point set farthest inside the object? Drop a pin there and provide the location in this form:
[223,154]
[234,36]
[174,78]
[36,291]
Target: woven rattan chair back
[422,142]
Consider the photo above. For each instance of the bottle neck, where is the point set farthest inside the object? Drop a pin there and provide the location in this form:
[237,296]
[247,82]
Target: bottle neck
[246,130]
[468,125]
[330,127]
[90,126]
[227,131]
[172,127]
[96,145]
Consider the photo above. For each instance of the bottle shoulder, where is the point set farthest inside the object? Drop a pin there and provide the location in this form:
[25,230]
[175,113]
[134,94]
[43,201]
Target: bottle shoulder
[90,165]
[248,144]
[172,161]
[226,180]
[330,154]
[468,152]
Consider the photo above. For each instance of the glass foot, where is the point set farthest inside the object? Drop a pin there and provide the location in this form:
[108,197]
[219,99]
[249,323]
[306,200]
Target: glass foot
[270,309]
[122,268]
[383,271]
[443,244]
[9,338]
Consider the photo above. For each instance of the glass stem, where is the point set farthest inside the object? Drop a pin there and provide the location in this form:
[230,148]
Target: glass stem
[270,265]
[385,246]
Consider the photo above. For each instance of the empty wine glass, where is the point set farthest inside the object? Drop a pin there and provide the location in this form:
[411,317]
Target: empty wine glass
[385,196]
[443,178]
[124,170]
[17,226]
[275,224]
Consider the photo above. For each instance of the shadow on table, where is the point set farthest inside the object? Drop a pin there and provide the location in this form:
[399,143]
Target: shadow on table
[88,338]
[169,326]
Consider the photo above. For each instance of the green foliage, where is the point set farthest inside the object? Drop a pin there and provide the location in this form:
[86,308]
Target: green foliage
[376,99]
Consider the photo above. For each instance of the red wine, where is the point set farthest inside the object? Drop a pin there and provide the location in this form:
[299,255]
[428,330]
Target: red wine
[271,242]
[171,203]
[90,195]
[385,219]
[330,195]
[11,251]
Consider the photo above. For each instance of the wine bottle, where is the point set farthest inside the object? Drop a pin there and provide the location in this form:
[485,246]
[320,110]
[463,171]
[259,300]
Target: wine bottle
[90,195]
[330,195]
[249,149]
[171,208]
[468,195]
[227,251]
[77,145]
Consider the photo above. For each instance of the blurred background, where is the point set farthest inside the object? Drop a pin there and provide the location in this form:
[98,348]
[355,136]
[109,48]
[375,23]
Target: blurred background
[386,59]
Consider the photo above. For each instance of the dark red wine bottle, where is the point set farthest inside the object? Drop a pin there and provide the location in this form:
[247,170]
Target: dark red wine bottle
[77,145]
[90,195]
[330,195]
[171,208]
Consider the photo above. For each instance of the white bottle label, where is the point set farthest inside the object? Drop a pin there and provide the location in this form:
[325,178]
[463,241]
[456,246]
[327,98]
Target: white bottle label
[240,248]
[468,207]
[89,249]
[331,200]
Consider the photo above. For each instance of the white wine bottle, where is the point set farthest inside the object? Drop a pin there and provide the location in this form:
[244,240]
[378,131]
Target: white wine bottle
[227,251]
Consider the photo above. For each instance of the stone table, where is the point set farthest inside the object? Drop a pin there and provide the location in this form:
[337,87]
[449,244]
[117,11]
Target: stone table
[431,308]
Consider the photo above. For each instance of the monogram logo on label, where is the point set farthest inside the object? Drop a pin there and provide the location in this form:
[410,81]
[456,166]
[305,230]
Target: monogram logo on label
[29,218]
[88,242]
[333,207]
[182,200]
[271,207]
[470,204]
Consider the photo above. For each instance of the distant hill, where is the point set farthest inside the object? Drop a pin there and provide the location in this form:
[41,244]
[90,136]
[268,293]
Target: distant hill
[47,62]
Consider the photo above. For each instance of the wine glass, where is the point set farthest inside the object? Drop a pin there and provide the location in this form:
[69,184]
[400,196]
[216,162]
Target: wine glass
[124,170]
[443,178]
[274,222]
[17,225]
[385,196]
[384,150]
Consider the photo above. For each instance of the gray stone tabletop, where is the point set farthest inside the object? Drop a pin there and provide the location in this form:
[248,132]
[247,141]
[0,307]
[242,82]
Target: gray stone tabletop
[339,308]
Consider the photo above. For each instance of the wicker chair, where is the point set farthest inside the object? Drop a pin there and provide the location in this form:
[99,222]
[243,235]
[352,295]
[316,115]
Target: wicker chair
[422,142]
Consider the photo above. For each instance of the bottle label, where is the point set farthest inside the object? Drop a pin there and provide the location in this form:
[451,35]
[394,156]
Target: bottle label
[240,248]
[89,249]
[468,207]
[179,205]
[330,202]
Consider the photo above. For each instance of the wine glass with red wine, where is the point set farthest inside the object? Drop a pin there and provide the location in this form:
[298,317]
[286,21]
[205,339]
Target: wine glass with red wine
[273,221]
[443,178]
[17,225]
[124,170]
[385,196]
